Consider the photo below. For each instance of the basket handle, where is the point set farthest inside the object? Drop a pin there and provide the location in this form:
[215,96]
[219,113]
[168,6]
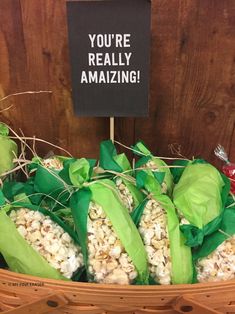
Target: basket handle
[45,304]
[186,304]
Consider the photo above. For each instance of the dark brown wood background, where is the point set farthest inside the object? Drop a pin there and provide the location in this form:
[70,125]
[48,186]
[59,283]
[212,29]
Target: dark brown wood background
[192,94]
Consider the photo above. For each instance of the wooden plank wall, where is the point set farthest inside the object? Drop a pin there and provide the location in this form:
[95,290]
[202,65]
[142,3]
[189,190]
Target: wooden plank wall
[192,94]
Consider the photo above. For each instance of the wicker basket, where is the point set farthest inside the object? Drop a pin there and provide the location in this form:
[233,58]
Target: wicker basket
[23,294]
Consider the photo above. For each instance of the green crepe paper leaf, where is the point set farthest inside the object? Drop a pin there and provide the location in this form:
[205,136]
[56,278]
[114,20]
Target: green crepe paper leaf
[79,204]
[110,160]
[168,179]
[80,275]
[141,177]
[79,172]
[195,236]
[159,176]
[77,167]
[177,172]
[92,163]
[103,194]
[8,151]
[197,195]
[107,154]
[2,198]
[64,173]
[4,131]
[35,198]
[48,182]
[230,200]
[142,161]
[123,163]
[3,263]
[19,255]
[140,149]
[146,180]
[34,163]
[12,188]
[225,190]
[181,257]
[22,197]
[199,161]
[138,212]
[212,241]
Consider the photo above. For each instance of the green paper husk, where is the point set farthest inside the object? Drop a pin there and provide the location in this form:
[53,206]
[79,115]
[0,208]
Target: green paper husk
[110,160]
[212,241]
[8,151]
[200,197]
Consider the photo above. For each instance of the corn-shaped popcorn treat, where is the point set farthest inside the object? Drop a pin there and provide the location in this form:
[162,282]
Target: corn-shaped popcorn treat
[49,240]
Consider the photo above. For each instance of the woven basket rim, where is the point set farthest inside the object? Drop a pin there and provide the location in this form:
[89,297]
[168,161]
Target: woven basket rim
[4,274]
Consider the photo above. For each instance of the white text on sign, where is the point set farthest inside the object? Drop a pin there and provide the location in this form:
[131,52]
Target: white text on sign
[111,59]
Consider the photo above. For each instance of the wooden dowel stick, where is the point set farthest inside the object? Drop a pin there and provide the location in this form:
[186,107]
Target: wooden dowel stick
[111,128]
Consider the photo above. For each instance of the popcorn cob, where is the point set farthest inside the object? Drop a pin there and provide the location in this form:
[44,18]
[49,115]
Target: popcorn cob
[107,260]
[125,194]
[52,163]
[219,265]
[153,229]
[49,239]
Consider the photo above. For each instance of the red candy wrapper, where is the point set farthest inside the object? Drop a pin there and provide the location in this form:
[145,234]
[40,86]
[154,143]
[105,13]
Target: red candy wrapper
[229,168]
[229,171]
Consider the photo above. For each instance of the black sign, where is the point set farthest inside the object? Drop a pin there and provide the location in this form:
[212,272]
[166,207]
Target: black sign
[109,43]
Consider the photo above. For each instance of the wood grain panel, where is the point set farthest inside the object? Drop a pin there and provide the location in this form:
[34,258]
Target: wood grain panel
[192,89]
[157,130]
[192,94]
[34,54]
